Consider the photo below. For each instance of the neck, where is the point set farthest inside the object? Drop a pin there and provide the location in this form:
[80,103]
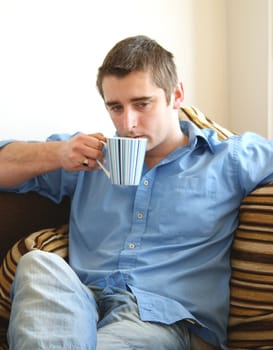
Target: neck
[154,156]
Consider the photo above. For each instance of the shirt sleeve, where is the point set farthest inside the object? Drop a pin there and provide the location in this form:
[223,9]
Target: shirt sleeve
[54,185]
[3,143]
[254,156]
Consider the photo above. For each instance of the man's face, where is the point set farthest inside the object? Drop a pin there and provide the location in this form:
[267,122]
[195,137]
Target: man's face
[138,108]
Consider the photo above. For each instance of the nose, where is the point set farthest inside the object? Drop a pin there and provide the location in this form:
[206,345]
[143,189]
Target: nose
[129,121]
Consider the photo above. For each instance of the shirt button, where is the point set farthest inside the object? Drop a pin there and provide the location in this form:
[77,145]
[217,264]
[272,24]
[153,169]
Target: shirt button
[146,182]
[139,215]
[132,245]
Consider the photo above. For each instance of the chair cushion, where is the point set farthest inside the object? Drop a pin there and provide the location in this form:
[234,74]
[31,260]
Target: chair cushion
[251,300]
[202,121]
[51,240]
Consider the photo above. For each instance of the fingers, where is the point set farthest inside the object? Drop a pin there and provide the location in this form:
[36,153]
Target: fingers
[82,151]
[92,150]
[99,136]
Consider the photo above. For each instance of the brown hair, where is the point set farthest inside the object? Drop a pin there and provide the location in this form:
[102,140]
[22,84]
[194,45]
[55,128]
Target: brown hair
[140,53]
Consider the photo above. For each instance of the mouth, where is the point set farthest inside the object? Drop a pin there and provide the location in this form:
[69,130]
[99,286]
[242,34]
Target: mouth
[134,136]
[139,137]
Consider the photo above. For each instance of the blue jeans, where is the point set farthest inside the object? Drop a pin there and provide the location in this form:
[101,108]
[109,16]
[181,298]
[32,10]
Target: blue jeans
[53,310]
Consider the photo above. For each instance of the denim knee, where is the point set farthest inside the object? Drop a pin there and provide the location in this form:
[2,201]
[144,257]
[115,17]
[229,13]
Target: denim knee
[35,257]
[51,307]
[33,261]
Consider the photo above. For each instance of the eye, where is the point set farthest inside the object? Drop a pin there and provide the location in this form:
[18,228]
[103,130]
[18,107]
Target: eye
[143,104]
[115,108]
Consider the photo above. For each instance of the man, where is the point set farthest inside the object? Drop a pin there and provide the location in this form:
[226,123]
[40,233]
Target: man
[148,264]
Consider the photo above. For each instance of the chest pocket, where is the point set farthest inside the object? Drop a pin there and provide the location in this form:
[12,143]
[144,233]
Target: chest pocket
[186,208]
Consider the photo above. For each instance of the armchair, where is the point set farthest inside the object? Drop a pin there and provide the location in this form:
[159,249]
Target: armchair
[251,301]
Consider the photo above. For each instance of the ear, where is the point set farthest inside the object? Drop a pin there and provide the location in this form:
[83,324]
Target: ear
[178,96]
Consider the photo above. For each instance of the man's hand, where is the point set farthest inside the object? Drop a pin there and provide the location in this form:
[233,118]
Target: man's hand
[82,151]
[21,161]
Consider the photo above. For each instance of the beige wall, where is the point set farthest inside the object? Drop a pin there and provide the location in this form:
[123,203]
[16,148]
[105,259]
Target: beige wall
[233,62]
[210,58]
[250,65]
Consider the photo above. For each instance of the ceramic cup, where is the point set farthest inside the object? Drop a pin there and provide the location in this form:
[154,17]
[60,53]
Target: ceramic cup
[126,157]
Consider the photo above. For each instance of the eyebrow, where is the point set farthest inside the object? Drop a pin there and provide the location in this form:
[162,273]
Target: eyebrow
[136,99]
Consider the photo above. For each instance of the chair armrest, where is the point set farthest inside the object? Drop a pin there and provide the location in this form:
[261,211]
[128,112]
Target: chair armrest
[22,214]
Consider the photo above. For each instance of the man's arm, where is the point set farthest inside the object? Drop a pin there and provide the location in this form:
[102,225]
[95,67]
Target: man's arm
[21,161]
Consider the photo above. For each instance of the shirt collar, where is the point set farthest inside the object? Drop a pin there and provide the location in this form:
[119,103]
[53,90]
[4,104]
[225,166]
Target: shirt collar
[199,137]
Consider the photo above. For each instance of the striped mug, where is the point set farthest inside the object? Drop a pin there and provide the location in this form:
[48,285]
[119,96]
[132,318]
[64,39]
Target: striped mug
[125,157]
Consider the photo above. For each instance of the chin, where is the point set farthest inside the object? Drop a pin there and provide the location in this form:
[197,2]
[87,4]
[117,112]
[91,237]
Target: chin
[149,147]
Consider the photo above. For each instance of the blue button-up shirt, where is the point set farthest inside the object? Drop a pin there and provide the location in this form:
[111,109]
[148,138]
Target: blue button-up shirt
[167,240]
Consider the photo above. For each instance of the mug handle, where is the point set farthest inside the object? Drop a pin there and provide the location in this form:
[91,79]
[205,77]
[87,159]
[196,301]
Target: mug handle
[106,171]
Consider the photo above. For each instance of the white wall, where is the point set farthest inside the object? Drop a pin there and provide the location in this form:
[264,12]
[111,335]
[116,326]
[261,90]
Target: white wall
[50,52]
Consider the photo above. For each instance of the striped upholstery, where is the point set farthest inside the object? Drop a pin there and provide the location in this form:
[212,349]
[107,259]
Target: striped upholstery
[51,240]
[199,119]
[251,303]
[3,339]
